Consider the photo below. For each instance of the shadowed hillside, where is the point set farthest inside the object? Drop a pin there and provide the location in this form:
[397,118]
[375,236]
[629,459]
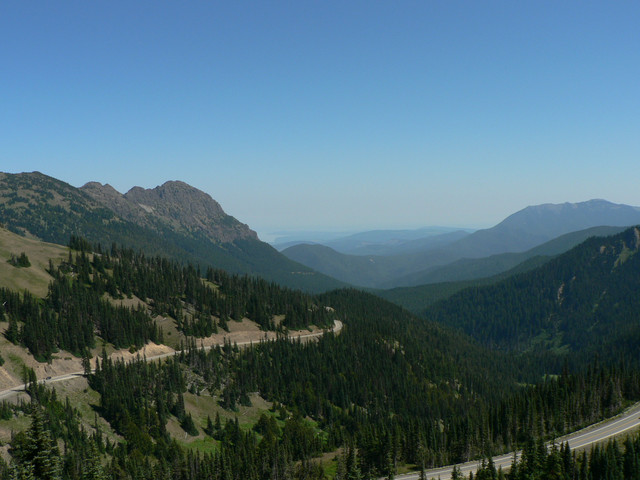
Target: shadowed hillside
[177,221]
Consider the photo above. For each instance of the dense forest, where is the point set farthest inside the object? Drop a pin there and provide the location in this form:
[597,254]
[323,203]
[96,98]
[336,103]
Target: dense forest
[390,390]
[583,302]
[139,398]
[79,303]
[616,460]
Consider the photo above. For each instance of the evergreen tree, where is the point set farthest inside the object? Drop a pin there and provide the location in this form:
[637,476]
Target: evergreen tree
[456,474]
[37,454]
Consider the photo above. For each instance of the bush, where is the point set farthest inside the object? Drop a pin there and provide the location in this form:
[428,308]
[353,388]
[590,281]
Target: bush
[21,261]
[188,425]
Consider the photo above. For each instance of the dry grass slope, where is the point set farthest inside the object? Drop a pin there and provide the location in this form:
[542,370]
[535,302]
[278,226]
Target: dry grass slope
[34,278]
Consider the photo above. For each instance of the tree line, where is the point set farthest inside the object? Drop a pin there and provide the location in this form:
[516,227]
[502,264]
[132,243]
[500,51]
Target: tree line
[79,304]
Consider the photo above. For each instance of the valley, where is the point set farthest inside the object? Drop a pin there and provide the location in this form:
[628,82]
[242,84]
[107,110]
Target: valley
[319,240]
[141,361]
[543,230]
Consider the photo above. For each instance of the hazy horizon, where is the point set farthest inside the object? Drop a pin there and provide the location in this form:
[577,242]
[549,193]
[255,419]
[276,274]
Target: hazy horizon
[318,233]
[336,115]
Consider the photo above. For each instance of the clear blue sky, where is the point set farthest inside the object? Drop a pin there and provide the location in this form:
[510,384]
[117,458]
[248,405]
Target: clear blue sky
[330,114]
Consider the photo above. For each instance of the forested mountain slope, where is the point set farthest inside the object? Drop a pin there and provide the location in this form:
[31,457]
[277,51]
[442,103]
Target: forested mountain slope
[474,268]
[391,389]
[585,300]
[83,294]
[442,282]
[179,222]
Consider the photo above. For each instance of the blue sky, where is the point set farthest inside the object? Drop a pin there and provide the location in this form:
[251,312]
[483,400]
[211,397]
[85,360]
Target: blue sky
[330,115]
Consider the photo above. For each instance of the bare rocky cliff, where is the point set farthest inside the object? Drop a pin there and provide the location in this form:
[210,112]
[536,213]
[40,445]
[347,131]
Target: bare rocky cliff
[176,205]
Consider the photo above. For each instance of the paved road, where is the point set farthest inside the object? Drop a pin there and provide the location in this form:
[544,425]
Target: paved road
[626,421]
[4,394]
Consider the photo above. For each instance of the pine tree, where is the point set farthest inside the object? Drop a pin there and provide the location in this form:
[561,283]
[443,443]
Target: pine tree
[86,362]
[21,472]
[92,468]
[423,474]
[456,474]
[38,456]
[13,332]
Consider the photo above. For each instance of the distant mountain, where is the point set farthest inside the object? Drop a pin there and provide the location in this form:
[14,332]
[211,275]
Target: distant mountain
[284,239]
[519,232]
[378,242]
[283,246]
[396,242]
[535,225]
[474,268]
[441,283]
[375,271]
[173,220]
[586,299]
[353,269]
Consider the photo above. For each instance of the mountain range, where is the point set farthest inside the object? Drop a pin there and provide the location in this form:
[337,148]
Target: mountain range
[554,345]
[585,300]
[520,232]
[442,282]
[184,223]
[378,242]
[175,205]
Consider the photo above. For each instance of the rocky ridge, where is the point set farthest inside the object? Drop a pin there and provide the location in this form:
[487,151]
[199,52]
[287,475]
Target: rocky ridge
[175,205]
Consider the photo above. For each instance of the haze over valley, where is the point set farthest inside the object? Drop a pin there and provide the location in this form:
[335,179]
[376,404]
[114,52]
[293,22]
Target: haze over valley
[543,290]
[319,240]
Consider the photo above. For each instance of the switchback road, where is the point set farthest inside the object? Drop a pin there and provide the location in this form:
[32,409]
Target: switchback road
[4,394]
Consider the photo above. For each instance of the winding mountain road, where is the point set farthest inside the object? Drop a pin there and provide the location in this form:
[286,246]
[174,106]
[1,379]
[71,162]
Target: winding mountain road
[622,423]
[625,422]
[10,392]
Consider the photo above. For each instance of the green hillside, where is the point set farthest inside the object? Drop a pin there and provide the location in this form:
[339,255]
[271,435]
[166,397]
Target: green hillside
[390,391]
[483,253]
[443,282]
[39,206]
[585,300]
[475,268]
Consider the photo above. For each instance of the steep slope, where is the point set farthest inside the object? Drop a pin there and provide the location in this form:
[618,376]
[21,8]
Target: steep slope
[180,227]
[419,298]
[176,205]
[190,210]
[585,300]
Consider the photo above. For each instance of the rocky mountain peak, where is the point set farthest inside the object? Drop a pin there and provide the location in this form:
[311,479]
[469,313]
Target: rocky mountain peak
[176,205]
[178,200]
